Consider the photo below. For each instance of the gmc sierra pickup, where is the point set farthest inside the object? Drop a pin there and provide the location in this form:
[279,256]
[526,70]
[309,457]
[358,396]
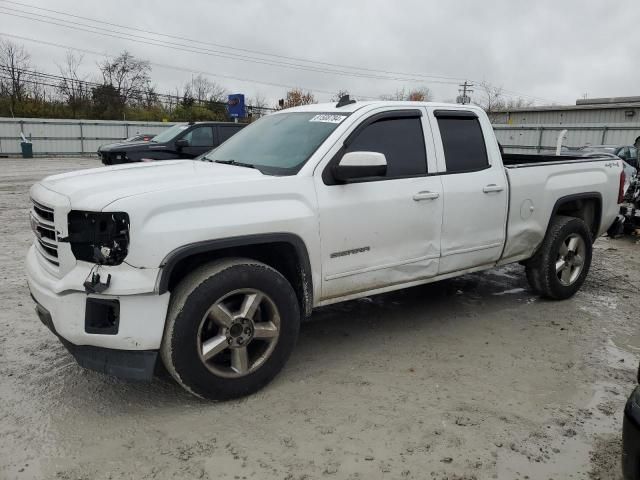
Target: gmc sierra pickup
[209,265]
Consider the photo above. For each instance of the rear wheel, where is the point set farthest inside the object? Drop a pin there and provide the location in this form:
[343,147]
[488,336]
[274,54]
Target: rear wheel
[562,263]
[230,329]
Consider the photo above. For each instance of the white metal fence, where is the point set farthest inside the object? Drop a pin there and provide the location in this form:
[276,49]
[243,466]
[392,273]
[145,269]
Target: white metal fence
[83,137]
[543,138]
[68,137]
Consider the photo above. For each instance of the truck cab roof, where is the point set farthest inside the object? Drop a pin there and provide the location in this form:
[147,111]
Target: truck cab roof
[370,104]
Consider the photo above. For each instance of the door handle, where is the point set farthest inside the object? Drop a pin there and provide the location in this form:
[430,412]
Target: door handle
[492,188]
[425,196]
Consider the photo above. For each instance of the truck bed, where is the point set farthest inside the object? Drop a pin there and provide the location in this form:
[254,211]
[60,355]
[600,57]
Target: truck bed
[514,160]
[534,194]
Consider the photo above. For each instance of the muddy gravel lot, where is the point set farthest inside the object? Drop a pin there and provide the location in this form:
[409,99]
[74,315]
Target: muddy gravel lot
[470,378]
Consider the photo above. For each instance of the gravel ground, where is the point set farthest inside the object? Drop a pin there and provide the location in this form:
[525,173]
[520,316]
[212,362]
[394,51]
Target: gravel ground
[470,378]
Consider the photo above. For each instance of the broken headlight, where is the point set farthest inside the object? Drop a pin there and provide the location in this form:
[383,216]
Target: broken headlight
[99,237]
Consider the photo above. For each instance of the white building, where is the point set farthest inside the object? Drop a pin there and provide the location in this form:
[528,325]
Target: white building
[597,121]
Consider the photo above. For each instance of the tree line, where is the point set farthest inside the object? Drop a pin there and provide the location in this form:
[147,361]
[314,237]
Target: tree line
[122,89]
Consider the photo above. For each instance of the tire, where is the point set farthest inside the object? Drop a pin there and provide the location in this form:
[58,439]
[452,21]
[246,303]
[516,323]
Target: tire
[560,266]
[218,312]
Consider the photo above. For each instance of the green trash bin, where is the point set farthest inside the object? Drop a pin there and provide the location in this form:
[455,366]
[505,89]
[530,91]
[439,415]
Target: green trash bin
[27,149]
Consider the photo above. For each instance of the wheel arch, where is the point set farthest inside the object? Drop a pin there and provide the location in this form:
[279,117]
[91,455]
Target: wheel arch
[285,252]
[585,206]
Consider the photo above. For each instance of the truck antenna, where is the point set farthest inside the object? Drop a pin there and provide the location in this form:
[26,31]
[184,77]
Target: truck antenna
[344,100]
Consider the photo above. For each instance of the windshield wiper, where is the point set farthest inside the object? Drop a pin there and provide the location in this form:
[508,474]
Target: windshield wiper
[233,162]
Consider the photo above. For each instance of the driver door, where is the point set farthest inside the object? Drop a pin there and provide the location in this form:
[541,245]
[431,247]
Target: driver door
[381,231]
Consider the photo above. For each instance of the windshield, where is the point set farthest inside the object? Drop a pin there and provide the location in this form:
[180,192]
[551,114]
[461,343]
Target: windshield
[170,133]
[278,144]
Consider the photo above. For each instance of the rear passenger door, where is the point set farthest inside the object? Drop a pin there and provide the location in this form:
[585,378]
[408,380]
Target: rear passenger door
[475,191]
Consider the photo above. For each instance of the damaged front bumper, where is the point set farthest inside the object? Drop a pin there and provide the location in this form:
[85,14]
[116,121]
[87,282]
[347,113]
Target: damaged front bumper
[127,364]
[117,332]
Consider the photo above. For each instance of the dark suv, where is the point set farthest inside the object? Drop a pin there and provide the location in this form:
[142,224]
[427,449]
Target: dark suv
[184,140]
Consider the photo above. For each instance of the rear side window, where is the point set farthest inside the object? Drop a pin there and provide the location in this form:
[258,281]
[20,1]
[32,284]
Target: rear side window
[463,142]
[400,140]
[200,137]
[224,132]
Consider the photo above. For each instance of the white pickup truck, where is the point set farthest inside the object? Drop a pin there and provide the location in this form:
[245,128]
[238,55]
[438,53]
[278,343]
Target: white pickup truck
[210,265]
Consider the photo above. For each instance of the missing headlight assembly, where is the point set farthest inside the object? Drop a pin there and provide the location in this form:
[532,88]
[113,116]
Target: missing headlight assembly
[99,237]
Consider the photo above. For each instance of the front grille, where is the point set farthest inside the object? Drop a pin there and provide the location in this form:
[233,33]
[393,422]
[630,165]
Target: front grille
[42,224]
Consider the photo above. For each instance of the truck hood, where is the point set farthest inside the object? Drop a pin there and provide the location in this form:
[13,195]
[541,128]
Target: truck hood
[96,188]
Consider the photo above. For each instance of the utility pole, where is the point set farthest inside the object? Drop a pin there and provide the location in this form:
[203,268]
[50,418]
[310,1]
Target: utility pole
[463,98]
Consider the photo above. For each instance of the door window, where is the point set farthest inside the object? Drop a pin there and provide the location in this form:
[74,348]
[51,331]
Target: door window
[463,143]
[224,133]
[200,137]
[400,140]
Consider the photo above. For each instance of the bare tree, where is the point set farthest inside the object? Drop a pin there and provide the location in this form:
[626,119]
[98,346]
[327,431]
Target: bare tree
[15,63]
[257,106]
[259,101]
[421,94]
[339,94]
[73,88]
[518,102]
[150,97]
[399,94]
[296,97]
[493,101]
[127,74]
[204,90]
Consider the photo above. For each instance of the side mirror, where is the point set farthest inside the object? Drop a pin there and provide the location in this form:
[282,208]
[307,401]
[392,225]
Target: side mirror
[357,165]
[183,142]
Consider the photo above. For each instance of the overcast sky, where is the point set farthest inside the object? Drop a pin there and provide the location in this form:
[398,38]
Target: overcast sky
[555,51]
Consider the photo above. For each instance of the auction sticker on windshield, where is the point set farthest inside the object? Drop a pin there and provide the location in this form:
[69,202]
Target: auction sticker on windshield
[328,118]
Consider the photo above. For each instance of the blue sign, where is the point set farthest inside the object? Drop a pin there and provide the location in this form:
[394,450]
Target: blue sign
[235,106]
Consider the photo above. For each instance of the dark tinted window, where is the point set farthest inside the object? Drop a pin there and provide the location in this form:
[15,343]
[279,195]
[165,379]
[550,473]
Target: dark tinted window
[224,132]
[464,147]
[200,137]
[402,142]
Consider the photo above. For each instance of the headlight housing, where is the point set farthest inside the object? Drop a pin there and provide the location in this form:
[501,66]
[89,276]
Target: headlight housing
[99,237]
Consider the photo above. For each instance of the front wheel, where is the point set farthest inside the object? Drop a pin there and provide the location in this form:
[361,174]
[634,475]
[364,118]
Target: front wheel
[561,265]
[231,327]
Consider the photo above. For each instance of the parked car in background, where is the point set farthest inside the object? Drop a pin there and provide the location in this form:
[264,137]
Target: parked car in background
[628,153]
[141,137]
[631,436]
[181,141]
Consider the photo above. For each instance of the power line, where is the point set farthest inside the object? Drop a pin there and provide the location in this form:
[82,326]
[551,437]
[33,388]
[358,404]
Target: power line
[199,50]
[180,69]
[203,51]
[146,40]
[257,52]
